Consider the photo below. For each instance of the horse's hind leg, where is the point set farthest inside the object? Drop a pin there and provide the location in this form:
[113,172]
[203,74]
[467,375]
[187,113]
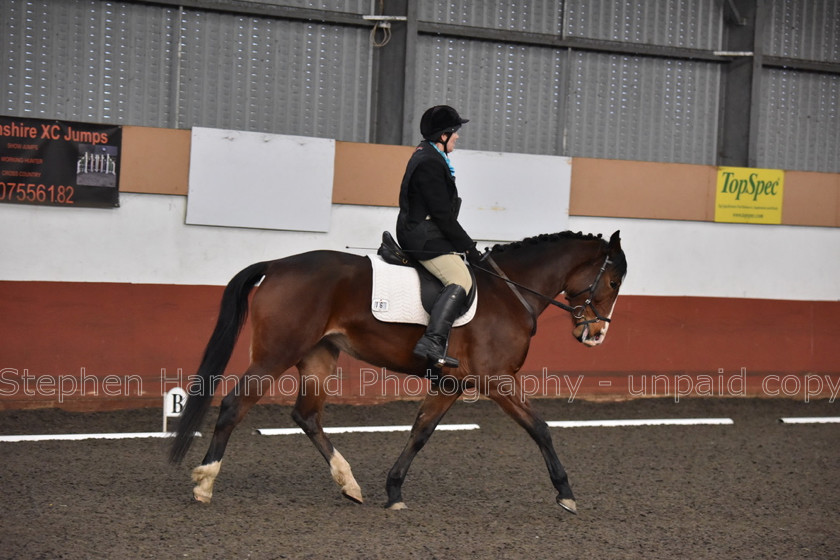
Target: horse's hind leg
[253,385]
[516,405]
[431,412]
[315,368]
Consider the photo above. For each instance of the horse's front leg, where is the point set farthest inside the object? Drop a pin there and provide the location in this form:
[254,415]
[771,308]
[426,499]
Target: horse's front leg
[432,410]
[513,401]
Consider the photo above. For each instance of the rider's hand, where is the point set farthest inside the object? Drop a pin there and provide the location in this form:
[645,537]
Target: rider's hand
[474,256]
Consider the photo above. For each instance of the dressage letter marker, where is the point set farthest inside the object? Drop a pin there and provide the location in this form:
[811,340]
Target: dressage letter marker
[173,404]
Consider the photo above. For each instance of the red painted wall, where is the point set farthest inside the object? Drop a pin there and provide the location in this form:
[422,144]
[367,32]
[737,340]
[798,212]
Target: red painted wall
[89,346]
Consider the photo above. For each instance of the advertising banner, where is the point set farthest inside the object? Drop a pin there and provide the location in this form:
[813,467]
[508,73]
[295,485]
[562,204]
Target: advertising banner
[749,196]
[58,163]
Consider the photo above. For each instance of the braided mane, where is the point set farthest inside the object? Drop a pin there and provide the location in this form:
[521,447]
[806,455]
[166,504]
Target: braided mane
[541,239]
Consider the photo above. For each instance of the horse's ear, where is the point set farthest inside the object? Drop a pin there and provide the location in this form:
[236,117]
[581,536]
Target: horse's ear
[615,240]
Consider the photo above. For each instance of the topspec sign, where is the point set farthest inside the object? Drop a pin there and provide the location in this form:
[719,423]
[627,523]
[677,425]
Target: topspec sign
[747,195]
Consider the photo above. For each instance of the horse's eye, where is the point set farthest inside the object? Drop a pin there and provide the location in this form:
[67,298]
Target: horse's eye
[613,284]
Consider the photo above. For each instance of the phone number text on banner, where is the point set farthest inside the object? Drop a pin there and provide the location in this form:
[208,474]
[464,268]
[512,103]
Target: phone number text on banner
[59,163]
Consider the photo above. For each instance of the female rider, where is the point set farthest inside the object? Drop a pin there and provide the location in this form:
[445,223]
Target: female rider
[428,228]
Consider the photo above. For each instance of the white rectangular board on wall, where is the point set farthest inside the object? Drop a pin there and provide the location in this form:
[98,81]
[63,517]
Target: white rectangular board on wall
[260,180]
[508,197]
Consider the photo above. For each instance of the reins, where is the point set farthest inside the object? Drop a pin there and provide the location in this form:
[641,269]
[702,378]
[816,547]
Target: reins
[514,287]
[577,311]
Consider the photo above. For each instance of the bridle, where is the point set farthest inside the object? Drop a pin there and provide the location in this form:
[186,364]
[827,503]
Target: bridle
[588,303]
[578,312]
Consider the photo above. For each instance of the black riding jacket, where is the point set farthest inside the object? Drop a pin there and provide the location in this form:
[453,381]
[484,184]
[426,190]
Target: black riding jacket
[427,225]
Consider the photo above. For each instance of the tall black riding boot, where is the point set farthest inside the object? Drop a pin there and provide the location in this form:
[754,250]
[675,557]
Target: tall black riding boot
[444,312]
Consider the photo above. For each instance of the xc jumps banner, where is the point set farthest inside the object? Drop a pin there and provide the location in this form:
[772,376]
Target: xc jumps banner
[59,163]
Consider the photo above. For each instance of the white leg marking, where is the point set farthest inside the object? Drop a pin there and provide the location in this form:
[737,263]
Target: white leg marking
[343,476]
[204,476]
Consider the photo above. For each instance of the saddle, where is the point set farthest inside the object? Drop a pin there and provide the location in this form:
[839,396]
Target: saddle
[430,286]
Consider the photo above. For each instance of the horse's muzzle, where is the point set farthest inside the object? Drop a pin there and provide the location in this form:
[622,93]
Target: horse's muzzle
[590,339]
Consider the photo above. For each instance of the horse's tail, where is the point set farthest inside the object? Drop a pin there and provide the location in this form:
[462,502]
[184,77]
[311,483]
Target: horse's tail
[232,314]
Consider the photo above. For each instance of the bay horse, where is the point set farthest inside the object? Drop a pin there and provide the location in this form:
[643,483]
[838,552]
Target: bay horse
[312,306]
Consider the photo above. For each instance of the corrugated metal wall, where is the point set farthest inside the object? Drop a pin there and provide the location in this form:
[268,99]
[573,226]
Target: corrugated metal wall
[556,101]
[141,64]
[511,93]
[352,6]
[674,23]
[799,126]
[87,60]
[807,29]
[643,108]
[153,65]
[260,74]
[540,16]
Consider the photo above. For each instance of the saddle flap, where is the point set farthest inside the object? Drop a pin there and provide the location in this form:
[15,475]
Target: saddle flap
[430,285]
[396,295]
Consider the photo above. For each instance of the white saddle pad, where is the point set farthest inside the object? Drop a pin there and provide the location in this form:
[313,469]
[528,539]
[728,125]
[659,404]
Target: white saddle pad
[396,295]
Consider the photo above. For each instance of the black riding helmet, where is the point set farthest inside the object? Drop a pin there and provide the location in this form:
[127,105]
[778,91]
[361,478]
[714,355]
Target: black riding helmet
[440,120]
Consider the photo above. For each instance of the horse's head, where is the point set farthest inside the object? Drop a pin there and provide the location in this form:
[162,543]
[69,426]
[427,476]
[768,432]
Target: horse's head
[592,289]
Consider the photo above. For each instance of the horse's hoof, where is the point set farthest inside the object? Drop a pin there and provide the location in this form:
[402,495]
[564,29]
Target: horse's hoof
[202,497]
[568,504]
[205,477]
[353,493]
[396,506]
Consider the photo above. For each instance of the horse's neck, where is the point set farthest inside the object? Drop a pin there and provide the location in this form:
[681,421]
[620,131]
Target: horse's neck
[545,268]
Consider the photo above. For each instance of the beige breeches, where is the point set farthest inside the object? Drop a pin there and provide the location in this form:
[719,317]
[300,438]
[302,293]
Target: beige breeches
[450,269]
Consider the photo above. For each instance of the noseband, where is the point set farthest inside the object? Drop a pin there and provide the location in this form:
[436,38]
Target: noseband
[578,311]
